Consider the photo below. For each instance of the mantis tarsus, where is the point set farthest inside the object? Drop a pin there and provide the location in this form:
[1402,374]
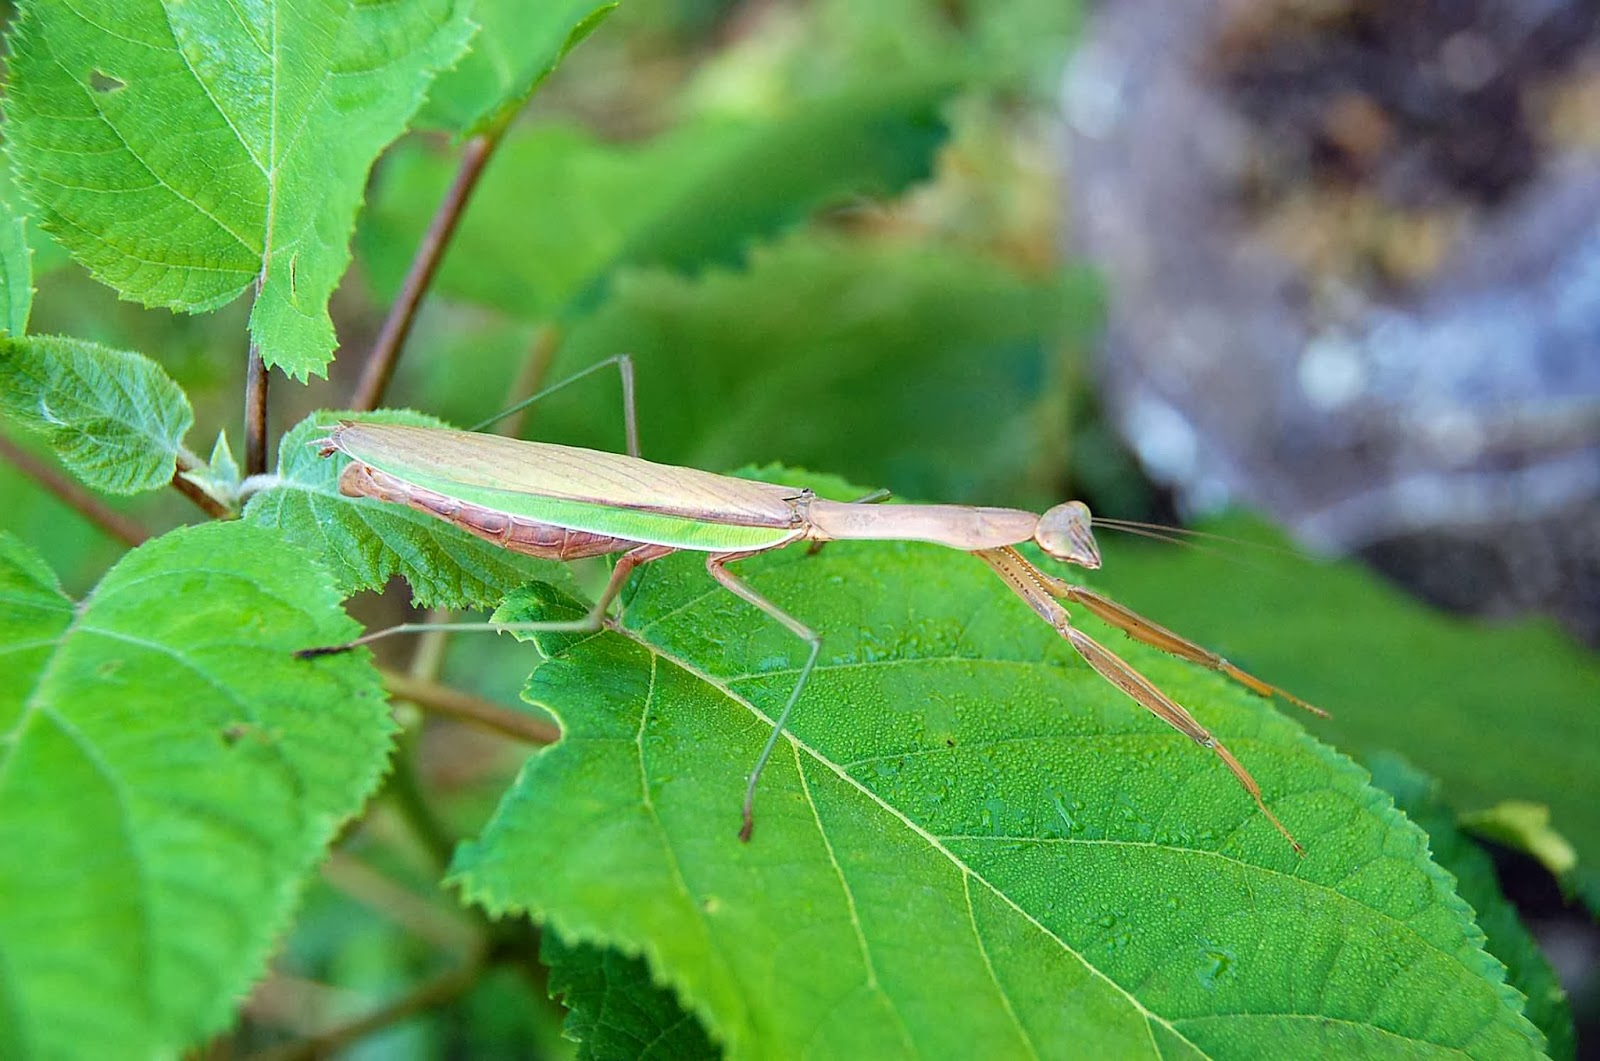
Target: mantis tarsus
[563,503]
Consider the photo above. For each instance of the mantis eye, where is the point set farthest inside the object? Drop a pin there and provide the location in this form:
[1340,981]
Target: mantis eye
[1064,533]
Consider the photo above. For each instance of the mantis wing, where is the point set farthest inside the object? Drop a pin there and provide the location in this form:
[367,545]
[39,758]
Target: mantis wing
[449,461]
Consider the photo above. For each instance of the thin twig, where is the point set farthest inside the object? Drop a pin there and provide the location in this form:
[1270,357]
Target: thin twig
[69,493]
[255,414]
[379,368]
[448,927]
[436,992]
[530,377]
[188,488]
[443,700]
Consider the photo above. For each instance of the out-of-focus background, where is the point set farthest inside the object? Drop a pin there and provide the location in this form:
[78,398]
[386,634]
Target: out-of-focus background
[1334,262]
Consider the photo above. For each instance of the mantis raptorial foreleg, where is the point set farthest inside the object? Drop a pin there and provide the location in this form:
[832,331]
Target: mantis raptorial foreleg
[716,566]
[1041,591]
[1155,635]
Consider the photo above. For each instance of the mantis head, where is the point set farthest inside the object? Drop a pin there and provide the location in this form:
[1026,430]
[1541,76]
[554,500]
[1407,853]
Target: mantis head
[1064,533]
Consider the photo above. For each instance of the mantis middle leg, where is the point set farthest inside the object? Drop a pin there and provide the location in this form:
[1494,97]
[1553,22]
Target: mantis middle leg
[716,565]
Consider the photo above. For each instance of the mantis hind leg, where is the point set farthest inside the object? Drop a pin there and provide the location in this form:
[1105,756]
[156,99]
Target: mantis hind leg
[716,566]
[630,417]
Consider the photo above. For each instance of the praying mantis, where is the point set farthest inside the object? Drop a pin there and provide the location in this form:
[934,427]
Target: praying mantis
[564,503]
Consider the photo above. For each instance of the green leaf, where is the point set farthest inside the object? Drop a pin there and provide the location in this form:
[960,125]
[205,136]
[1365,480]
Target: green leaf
[968,837]
[1525,827]
[517,46]
[220,477]
[1527,969]
[16,269]
[696,196]
[366,542]
[169,774]
[1496,713]
[114,417]
[183,152]
[615,1009]
[936,358]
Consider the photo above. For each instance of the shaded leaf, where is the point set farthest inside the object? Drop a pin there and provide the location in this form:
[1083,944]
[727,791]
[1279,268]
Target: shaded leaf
[169,773]
[366,542]
[967,838]
[615,1010]
[184,152]
[516,47]
[913,367]
[113,416]
[1526,967]
[16,269]
[1495,713]
[699,195]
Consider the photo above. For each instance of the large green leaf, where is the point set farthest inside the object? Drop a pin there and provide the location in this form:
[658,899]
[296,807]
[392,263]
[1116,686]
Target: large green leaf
[184,152]
[616,1010]
[114,417]
[934,358]
[698,195]
[16,269]
[1495,713]
[1506,938]
[169,773]
[517,46]
[366,542]
[969,840]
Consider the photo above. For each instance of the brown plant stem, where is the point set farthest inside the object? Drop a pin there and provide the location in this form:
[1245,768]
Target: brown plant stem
[443,700]
[436,992]
[379,367]
[113,523]
[255,413]
[530,377]
[206,503]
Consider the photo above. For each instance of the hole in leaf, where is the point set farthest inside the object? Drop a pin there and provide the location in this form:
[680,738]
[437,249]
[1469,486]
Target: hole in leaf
[104,83]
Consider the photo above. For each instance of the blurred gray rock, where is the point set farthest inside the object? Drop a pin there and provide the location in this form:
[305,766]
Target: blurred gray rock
[1448,428]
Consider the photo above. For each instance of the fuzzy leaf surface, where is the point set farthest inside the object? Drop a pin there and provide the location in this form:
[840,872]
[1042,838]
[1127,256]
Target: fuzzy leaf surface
[169,773]
[183,152]
[366,542]
[516,47]
[113,416]
[696,196]
[964,810]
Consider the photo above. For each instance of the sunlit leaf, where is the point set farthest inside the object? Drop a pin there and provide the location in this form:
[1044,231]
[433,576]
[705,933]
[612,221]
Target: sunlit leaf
[169,773]
[184,152]
[968,838]
[517,46]
[114,417]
